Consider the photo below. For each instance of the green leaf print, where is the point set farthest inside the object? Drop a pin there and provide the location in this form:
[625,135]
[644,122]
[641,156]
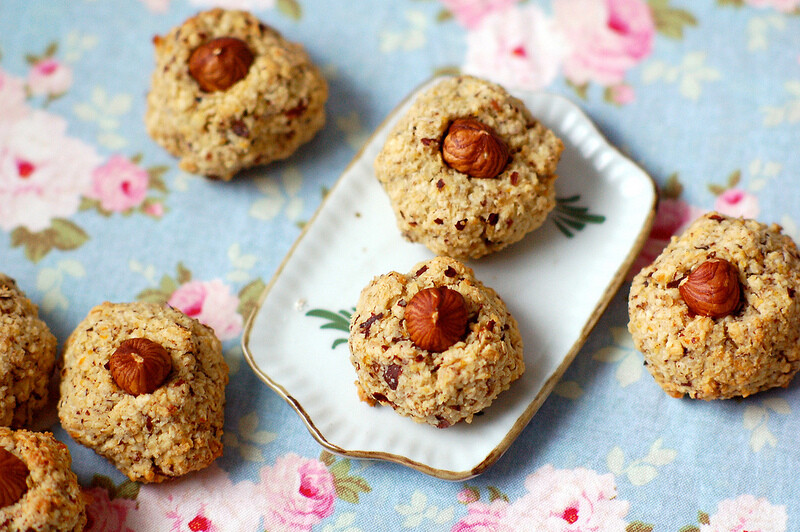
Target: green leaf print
[62,234]
[495,494]
[126,490]
[339,321]
[290,8]
[638,526]
[670,21]
[248,297]
[703,518]
[570,218]
[348,487]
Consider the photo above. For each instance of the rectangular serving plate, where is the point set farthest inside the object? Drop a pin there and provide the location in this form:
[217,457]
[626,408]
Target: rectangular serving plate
[556,286]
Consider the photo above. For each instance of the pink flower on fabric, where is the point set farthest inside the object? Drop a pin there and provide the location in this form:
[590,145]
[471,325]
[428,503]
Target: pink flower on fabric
[469,13]
[737,202]
[296,493]
[49,76]
[43,172]
[786,6]
[467,496]
[156,210]
[211,303]
[673,216]
[157,6]
[483,518]
[568,499]
[746,513]
[105,515]
[205,501]
[12,102]
[607,38]
[518,46]
[119,184]
[622,94]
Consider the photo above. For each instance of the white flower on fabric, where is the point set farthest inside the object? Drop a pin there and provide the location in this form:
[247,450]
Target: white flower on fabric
[43,172]
[12,102]
[50,77]
[516,47]
[746,513]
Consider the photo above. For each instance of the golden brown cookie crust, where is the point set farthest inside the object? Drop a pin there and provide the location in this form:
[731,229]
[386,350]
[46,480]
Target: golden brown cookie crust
[753,349]
[150,437]
[265,116]
[54,500]
[448,211]
[436,388]
[27,355]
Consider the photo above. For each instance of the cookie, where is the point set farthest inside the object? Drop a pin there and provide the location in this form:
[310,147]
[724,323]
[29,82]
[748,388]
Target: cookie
[251,97]
[441,204]
[717,314]
[39,490]
[27,355]
[151,431]
[434,344]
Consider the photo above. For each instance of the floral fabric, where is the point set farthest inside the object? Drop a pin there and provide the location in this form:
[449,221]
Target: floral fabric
[704,95]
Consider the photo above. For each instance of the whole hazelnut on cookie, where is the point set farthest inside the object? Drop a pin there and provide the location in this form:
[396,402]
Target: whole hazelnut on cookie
[219,63]
[474,148]
[712,289]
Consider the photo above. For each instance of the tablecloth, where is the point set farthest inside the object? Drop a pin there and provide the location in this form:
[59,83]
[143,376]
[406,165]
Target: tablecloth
[703,94]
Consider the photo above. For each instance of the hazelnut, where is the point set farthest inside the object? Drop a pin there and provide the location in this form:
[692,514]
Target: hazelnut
[219,63]
[436,318]
[140,366]
[712,289]
[474,148]
[13,478]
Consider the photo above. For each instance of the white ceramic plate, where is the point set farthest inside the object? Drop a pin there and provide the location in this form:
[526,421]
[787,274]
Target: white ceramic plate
[556,286]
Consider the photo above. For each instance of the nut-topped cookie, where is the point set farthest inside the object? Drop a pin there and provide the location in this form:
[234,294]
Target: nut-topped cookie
[434,344]
[468,170]
[38,490]
[144,386]
[717,314]
[27,355]
[229,92]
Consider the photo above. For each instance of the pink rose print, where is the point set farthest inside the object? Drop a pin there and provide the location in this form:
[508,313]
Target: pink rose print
[468,496]
[470,12]
[737,202]
[12,102]
[673,216]
[516,47]
[156,209]
[49,77]
[622,94]
[119,184]
[205,501]
[296,493]
[786,6]
[607,38]
[43,172]
[746,513]
[211,303]
[567,499]
[105,515]
[483,518]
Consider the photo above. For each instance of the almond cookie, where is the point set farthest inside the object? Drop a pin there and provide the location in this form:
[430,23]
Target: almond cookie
[468,170]
[38,490]
[435,344]
[27,355]
[144,386]
[717,314]
[229,92]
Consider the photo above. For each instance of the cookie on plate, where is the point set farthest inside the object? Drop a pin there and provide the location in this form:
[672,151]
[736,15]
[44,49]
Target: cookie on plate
[229,92]
[27,355]
[434,344]
[717,314]
[144,386]
[468,170]
[38,490]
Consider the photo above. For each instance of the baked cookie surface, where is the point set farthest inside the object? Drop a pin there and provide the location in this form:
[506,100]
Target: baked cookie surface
[277,106]
[436,387]
[449,211]
[52,498]
[754,347]
[150,437]
[27,355]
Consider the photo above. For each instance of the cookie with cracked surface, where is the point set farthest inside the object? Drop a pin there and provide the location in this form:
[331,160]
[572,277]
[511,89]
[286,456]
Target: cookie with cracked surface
[703,335]
[40,491]
[229,92]
[435,344]
[27,356]
[437,163]
[110,400]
